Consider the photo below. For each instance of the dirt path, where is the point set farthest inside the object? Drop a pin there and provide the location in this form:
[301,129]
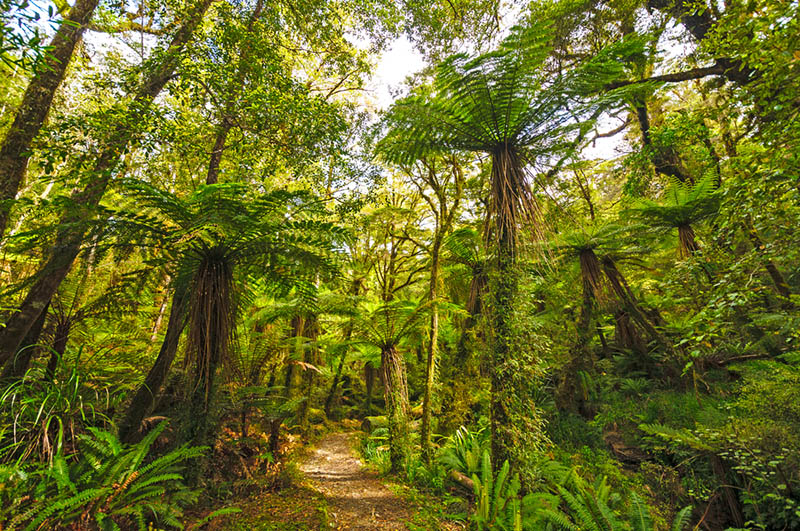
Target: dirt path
[356,497]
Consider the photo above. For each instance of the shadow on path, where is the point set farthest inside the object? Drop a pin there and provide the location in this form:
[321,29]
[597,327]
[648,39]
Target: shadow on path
[356,497]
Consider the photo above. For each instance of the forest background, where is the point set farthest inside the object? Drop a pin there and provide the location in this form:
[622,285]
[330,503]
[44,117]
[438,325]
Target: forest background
[213,242]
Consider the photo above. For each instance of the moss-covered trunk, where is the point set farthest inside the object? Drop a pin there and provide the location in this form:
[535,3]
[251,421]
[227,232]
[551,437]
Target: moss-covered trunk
[430,372]
[507,179]
[395,391]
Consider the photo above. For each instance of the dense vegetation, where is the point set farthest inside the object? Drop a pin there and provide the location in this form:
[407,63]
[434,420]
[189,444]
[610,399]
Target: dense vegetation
[558,277]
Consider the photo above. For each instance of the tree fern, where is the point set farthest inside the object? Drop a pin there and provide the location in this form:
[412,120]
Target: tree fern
[682,206]
[507,105]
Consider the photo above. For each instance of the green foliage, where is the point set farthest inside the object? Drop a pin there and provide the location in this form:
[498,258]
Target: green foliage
[376,449]
[464,450]
[497,505]
[597,507]
[40,417]
[109,484]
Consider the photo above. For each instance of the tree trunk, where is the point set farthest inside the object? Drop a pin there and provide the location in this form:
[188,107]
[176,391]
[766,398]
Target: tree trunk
[36,103]
[626,297]
[288,385]
[309,375]
[665,160]
[60,339]
[728,493]
[212,177]
[212,317]
[395,392]
[781,286]
[369,380]
[297,336]
[162,310]
[338,376]
[571,395]
[507,178]
[18,365]
[143,400]
[73,222]
[430,373]
[235,89]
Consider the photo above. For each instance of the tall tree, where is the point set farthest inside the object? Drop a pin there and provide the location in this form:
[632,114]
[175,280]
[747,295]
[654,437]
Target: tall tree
[440,183]
[506,105]
[385,328]
[73,223]
[36,103]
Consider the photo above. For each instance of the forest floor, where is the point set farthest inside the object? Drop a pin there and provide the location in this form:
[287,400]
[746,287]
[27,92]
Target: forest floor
[335,490]
[356,497]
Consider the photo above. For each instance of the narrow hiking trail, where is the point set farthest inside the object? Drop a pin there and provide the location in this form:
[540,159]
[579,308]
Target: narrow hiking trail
[356,497]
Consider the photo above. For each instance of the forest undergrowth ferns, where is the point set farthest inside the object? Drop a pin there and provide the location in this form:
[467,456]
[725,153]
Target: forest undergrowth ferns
[562,499]
[106,484]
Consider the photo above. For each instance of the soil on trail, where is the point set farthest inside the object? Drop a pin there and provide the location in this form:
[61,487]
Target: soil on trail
[356,497]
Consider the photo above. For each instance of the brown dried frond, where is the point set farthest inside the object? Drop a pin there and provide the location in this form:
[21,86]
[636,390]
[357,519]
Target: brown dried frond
[211,317]
[688,244]
[477,288]
[592,274]
[513,202]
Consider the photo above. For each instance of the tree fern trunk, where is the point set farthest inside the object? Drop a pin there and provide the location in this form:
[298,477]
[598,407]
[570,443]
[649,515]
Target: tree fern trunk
[626,297]
[506,193]
[395,390]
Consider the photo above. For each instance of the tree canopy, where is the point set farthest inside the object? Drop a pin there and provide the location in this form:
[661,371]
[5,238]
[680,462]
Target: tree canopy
[552,284]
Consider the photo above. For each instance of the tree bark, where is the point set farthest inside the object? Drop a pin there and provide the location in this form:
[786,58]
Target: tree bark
[59,347]
[430,373]
[369,378]
[143,400]
[18,365]
[395,391]
[36,103]
[73,222]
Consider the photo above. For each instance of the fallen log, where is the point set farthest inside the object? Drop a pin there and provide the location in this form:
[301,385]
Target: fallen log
[462,481]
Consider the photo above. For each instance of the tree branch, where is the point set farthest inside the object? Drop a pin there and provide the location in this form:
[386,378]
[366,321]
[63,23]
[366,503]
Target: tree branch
[695,73]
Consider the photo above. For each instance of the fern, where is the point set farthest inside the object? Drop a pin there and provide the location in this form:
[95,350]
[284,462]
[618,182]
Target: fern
[497,504]
[681,519]
[639,515]
[110,483]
